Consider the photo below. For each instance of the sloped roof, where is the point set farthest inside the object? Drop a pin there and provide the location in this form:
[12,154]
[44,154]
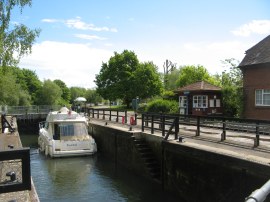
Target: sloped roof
[260,53]
[199,86]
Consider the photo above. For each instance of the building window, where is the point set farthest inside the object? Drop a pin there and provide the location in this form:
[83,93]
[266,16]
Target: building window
[262,97]
[214,103]
[200,101]
[182,101]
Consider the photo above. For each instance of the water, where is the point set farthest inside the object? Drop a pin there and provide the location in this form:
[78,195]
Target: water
[92,178]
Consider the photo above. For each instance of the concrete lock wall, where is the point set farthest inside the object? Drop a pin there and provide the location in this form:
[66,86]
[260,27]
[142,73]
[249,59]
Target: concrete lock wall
[193,174]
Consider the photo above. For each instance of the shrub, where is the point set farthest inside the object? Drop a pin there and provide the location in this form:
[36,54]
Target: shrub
[162,106]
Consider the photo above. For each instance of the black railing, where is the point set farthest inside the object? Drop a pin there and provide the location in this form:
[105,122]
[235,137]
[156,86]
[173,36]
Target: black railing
[5,124]
[15,170]
[108,114]
[168,124]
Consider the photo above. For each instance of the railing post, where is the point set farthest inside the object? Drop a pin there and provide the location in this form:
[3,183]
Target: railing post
[257,139]
[117,113]
[152,124]
[176,127]
[143,122]
[110,118]
[198,126]
[126,116]
[103,117]
[98,113]
[136,116]
[146,122]
[223,134]
[163,125]
[93,113]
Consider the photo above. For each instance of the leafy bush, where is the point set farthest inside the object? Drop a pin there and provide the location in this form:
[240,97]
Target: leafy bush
[162,106]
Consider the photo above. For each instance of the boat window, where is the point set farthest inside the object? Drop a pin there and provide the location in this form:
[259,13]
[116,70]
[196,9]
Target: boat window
[56,132]
[73,129]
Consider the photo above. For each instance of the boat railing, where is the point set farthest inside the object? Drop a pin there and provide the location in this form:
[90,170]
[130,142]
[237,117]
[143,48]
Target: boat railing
[42,124]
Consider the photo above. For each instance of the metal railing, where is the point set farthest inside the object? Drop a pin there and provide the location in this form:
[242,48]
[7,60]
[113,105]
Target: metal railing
[108,114]
[15,172]
[170,124]
[33,109]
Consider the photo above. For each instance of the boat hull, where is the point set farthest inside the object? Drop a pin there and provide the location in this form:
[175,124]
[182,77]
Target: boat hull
[59,148]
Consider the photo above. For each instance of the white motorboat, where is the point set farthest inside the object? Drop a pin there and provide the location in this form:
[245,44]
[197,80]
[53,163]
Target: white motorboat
[65,133]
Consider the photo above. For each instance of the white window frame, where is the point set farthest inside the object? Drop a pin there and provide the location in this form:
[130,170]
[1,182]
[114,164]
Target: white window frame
[260,97]
[200,101]
[183,101]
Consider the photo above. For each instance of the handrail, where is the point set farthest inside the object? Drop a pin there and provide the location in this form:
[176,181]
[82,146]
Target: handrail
[259,195]
[164,122]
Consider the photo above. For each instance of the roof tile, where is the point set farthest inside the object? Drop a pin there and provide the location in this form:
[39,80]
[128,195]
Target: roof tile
[260,53]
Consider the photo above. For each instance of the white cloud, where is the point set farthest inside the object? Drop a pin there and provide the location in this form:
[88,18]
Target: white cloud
[50,20]
[255,26]
[75,64]
[90,37]
[207,54]
[77,23]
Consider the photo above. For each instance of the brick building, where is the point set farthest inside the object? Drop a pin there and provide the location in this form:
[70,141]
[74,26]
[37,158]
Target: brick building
[200,98]
[256,81]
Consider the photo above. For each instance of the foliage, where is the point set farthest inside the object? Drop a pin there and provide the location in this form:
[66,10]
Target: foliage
[147,81]
[11,93]
[92,96]
[16,39]
[123,77]
[162,106]
[77,92]
[232,89]
[66,95]
[192,74]
[27,79]
[171,80]
[49,94]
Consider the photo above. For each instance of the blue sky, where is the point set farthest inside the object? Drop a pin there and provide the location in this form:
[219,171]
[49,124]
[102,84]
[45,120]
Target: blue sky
[78,35]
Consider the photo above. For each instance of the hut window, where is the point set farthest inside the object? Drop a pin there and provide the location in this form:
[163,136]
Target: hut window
[262,97]
[200,101]
[182,101]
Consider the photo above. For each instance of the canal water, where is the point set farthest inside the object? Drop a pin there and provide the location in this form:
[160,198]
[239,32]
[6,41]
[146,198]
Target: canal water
[92,178]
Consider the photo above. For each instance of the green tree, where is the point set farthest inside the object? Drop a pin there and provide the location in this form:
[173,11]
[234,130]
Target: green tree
[92,96]
[28,80]
[232,89]
[172,79]
[66,95]
[123,77]
[192,74]
[11,92]
[14,39]
[32,82]
[49,94]
[77,92]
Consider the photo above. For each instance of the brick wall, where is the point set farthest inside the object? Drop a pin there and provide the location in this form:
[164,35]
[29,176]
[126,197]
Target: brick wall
[255,77]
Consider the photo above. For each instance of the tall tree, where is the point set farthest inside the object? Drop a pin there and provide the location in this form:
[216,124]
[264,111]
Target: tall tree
[66,95]
[49,94]
[192,74]
[11,92]
[27,79]
[123,78]
[232,89]
[14,39]
[77,92]
[92,96]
